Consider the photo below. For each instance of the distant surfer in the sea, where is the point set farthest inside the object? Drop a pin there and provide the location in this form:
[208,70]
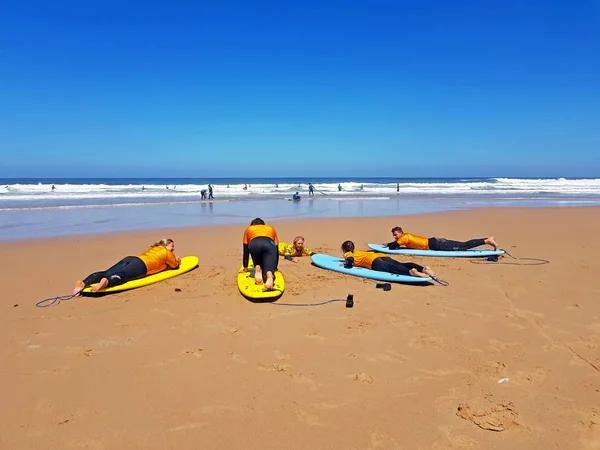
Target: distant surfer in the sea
[292,251]
[413,241]
[340,188]
[381,262]
[156,259]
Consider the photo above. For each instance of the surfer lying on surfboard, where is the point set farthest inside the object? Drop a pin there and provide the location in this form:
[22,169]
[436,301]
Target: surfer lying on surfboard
[381,262]
[156,259]
[295,249]
[260,241]
[413,241]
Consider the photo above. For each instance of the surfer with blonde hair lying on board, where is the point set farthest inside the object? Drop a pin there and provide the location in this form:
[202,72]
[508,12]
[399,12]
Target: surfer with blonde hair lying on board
[381,262]
[260,241]
[292,251]
[413,241]
[156,259]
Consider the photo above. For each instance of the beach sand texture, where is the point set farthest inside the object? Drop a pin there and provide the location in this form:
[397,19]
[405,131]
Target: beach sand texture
[189,363]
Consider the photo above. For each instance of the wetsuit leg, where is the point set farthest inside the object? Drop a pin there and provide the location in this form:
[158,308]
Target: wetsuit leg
[264,254]
[447,245]
[129,268]
[385,264]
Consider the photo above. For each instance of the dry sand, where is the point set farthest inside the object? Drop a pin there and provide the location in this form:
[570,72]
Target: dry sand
[417,367]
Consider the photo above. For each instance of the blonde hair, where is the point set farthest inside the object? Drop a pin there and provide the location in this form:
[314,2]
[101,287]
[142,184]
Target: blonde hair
[297,238]
[163,242]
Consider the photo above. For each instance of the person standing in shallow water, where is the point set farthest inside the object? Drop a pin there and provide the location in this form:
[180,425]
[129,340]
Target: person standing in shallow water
[210,192]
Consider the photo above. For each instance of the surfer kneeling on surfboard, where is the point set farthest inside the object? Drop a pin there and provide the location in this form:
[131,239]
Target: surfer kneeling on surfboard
[295,249]
[413,241]
[156,259]
[381,262]
[260,241]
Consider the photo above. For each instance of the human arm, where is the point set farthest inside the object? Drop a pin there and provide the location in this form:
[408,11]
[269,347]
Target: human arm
[246,257]
[173,261]
[349,262]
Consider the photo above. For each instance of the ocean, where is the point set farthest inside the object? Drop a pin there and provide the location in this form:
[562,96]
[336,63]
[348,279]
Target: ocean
[31,208]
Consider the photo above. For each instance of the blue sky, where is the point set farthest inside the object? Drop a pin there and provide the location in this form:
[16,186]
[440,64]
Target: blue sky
[330,88]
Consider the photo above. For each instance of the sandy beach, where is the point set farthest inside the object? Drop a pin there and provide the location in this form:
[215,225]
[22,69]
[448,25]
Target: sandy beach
[505,357]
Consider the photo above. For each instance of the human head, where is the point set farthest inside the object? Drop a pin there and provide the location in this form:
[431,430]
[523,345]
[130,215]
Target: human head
[169,244]
[397,232]
[257,221]
[298,243]
[348,246]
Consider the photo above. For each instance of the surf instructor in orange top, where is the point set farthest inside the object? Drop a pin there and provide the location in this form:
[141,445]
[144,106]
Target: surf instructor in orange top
[260,241]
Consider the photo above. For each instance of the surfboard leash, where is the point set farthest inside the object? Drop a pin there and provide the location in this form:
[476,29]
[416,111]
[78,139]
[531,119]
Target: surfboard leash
[439,281]
[495,259]
[54,300]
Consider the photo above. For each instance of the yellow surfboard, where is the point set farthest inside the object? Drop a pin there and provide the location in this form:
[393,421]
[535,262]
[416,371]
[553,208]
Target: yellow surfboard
[187,264]
[250,289]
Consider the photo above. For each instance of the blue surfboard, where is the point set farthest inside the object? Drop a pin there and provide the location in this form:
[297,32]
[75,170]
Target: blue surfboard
[438,253]
[337,265]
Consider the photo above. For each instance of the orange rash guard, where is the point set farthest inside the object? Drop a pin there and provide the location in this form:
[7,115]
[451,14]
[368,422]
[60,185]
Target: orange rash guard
[157,259]
[254,231]
[412,241]
[362,258]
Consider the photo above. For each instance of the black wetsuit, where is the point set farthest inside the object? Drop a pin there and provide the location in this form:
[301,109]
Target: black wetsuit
[264,254]
[129,268]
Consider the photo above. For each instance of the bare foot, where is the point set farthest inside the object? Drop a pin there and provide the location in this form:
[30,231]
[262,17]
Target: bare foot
[491,241]
[425,274]
[270,281]
[103,283]
[258,278]
[78,287]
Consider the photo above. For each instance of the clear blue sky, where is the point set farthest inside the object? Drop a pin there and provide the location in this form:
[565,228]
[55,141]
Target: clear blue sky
[340,88]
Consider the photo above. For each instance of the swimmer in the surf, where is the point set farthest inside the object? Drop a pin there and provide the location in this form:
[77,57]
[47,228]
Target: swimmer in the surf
[292,251]
[260,241]
[381,262]
[156,259]
[413,241]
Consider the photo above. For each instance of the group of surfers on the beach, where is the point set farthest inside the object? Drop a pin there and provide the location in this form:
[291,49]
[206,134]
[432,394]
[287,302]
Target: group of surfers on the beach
[260,241]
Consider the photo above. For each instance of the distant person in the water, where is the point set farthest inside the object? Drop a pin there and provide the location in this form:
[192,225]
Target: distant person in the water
[397,187]
[210,192]
[362,186]
[245,187]
[53,187]
[156,259]
[167,187]
[203,194]
[276,185]
[143,188]
[381,262]
[340,187]
[311,189]
[296,196]
[413,241]
[260,241]
[292,251]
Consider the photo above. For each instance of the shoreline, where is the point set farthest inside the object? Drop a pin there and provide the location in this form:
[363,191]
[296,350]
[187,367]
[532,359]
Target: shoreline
[19,225]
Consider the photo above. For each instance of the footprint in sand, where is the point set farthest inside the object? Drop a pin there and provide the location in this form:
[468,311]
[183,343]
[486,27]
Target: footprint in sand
[307,418]
[499,417]
[426,341]
[363,378]
[197,352]
[273,367]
